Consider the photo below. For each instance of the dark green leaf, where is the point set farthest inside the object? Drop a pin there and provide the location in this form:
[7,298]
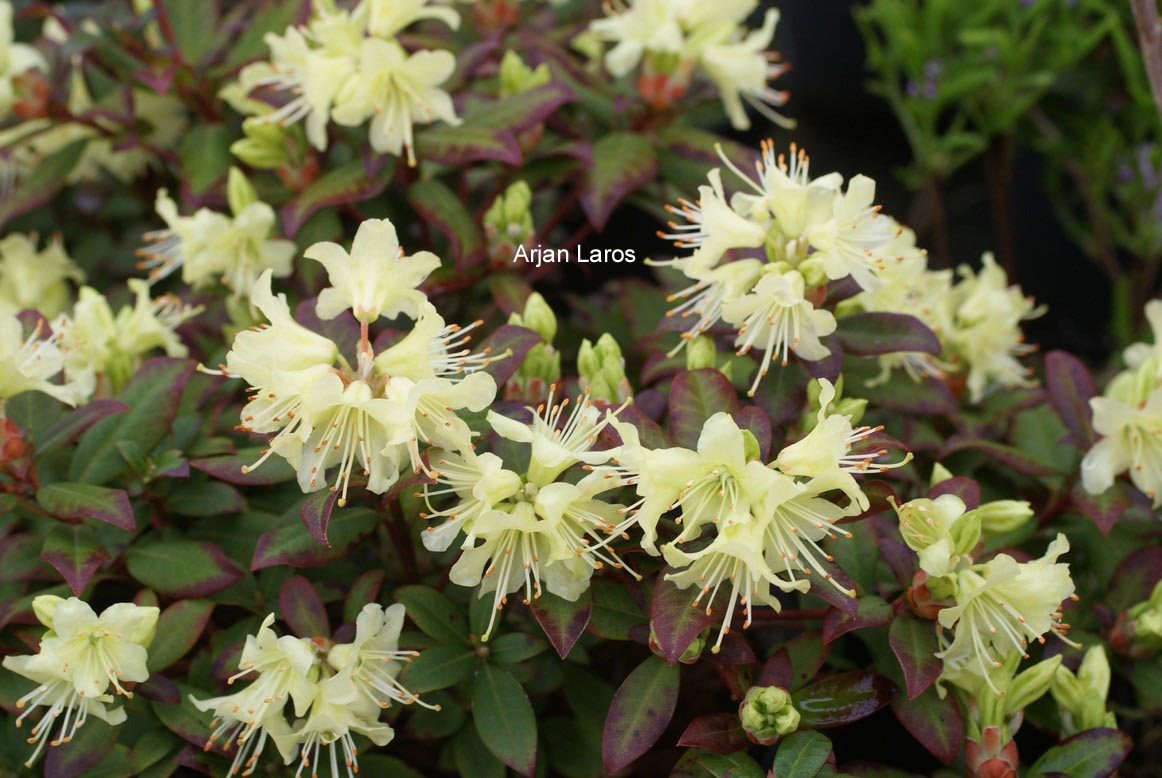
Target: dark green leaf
[228,468]
[178,629]
[45,181]
[698,763]
[181,568]
[73,549]
[871,611]
[205,154]
[842,699]
[802,755]
[75,502]
[695,396]
[364,591]
[1095,753]
[463,144]
[871,334]
[504,718]
[937,724]
[641,710]
[75,423]
[293,544]
[302,610]
[1010,457]
[351,183]
[440,207]
[563,621]
[913,642]
[437,668]
[436,615]
[622,162]
[515,647]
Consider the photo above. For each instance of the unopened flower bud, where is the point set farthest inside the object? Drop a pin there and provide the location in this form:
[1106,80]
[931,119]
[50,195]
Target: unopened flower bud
[939,531]
[538,317]
[701,353]
[1145,624]
[766,714]
[1081,698]
[602,369]
[508,222]
[1030,685]
[940,473]
[994,755]
[517,77]
[1001,516]
[264,146]
[239,191]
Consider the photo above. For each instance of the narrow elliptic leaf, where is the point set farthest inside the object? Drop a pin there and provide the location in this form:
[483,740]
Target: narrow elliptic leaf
[562,620]
[515,647]
[437,668]
[73,424]
[718,732]
[675,621]
[875,333]
[302,610]
[913,642]
[152,396]
[1095,753]
[901,393]
[77,501]
[464,144]
[316,514]
[504,718]
[435,615]
[178,629]
[349,183]
[801,755]
[472,758]
[73,549]
[512,340]
[937,724]
[1070,386]
[363,591]
[1106,508]
[964,488]
[842,699]
[434,202]
[695,396]
[519,112]
[182,568]
[872,611]
[622,162]
[1135,578]
[293,545]
[228,468]
[1007,456]
[640,712]
[701,763]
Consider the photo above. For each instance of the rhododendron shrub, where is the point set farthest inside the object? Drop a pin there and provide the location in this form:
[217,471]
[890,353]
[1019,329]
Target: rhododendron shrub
[328,446]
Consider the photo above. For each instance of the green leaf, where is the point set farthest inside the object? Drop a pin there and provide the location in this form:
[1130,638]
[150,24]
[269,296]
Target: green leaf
[640,712]
[435,615]
[521,111]
[293,544]
[674,621]
[205,154]
[871,334]
[913,641]
[622,162]
[614,611]
[472,759]
[695,396]
[802,755]
[181,568]
[440,207]
[437,668]
[842,699]
[504,718]
[699,763]
[228,468]
[363,592]
[563,621]
[515,647]
[351,183]
[1007,456]
[301,608]
[194,24]
[465,143]
[273,17]
[83,752]
[75,502]
[936,723]
[45,181]
[152,396]
[1095,753]
[75,423]
[73,549]
[178,629]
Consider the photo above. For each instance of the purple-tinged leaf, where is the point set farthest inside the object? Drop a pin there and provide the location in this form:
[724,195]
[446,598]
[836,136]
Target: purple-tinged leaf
[80,754]
[1070,386]
[295,546]
[901,393]
[20,557]
[517,113]
[900,558]
[1135,578]
[508,338]
[695,396]
[74,424]
[228,468]
[777,670]
[316,514]
[509,291]
[639,714]
[74,502]
[182,568]
[350,183]
[1095,753]
[343,329]
[650,433]
[364,591]
[842,289]
[937,724]
[913,641]
[872,334]
[159,689]
[563,621]
[302,610]
[842,699]
[757,421]
[152,395]
[178,628]
[842,597]
[1104,509]
[458,146]
[966,489]
[831,365]
[504,718]
[718,732]
[879,495]
[873,611]
[700,763]
[440,207]
[735,650]
[1010,457]
[675,621]
[76,554]
[46,180]
[622,162]
[782,393]
[805,654]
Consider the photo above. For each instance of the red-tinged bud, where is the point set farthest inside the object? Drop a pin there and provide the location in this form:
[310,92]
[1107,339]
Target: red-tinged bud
[920,598]
[11,442]
[990,758]
[497,14]
[299,178]
[32,92]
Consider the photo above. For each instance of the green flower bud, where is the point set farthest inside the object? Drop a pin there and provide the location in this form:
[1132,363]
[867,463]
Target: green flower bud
[239,191]
[1146,622]
[538,317]
[517,77]
[1002,515]
[939,473]
[701,353]
[508,222]
[264,146]
[766,714]
[1030,685]
[602,369]
[851,406]
[1081,698]
[590,46]
[44,606]
[840,406]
